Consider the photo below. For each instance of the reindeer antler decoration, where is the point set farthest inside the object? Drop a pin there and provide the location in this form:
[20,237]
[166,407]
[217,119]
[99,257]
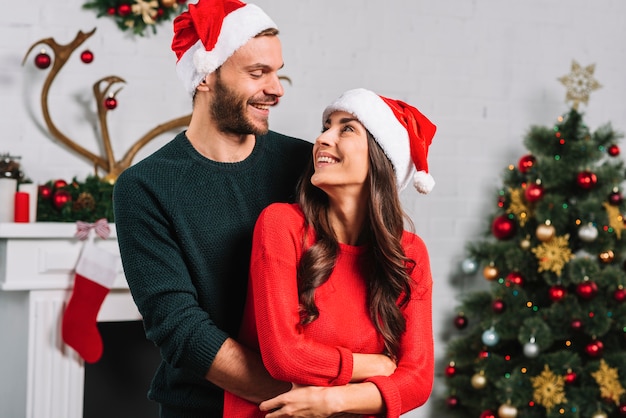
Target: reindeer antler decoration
[108,164]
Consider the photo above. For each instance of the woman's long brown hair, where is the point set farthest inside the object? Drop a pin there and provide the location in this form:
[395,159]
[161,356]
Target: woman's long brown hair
[388,280]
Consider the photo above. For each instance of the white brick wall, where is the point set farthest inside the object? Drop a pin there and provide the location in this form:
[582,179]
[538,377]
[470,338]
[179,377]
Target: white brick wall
[482,70]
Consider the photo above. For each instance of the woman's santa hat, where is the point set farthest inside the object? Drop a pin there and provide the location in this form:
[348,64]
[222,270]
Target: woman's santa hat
[209,32]
[401,130]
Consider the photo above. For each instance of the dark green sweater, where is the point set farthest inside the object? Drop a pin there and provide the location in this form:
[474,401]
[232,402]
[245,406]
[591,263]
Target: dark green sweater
[184,226]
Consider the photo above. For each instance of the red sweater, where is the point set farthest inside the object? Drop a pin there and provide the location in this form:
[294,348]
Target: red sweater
[320,353]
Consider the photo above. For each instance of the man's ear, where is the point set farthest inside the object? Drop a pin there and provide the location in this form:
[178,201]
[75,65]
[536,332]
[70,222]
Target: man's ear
[207,82]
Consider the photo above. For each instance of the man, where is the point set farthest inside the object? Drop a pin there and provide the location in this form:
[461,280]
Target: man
[185,214]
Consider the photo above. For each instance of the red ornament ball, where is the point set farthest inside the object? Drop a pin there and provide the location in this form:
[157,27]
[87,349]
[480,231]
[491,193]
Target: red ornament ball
[45,191]
[557,292]
[110,103]
[488,414]
[533,193]
[503,227]
[124,10]
[111,11]
[615,198]
[587,289]
[526,163]
[620,294]
[613,150]
[586,180]
[515,278]
[59,183]
[61,198]
[576,325]
[570,377]
[622,408]
[452,402]
[42,60]
[450,370]
[460,322]
[86,56]
[498,306]
[594,348]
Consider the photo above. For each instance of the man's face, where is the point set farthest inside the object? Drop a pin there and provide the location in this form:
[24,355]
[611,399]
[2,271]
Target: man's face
[246,85]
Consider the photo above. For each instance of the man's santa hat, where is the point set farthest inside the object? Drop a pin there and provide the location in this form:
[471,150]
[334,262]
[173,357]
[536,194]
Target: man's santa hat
[401,130]
[209,32]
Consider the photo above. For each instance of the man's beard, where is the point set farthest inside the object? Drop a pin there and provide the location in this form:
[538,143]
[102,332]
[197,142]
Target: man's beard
[229,111]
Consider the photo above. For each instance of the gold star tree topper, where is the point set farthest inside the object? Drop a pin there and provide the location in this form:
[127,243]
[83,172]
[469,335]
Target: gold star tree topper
[579,83]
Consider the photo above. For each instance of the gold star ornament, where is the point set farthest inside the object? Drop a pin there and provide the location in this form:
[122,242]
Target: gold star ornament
[579,83]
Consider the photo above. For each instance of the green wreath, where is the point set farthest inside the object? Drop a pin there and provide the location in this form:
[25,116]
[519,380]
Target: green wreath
[137,15]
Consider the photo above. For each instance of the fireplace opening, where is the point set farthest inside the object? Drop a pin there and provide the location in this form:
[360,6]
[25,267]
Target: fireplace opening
[117,385]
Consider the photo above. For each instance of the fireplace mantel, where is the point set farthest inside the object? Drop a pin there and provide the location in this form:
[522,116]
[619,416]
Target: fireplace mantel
[40,376]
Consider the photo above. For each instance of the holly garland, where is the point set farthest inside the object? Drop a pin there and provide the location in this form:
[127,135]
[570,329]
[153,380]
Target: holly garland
[88,201]
[137,15]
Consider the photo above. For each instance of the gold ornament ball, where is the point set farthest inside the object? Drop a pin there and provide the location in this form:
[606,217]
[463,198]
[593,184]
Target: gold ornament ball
[507,411]
[524,244]
[545,232]
[479,381]
[168,3]
[607,256]
[490,273]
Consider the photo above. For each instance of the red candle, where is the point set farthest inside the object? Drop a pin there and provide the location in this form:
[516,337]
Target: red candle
[21,206]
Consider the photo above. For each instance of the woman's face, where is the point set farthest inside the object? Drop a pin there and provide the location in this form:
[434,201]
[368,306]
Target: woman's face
[340,154]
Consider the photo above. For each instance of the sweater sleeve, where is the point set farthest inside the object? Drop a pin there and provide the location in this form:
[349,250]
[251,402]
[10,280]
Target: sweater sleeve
[286,353]
[410,385]
[160,281]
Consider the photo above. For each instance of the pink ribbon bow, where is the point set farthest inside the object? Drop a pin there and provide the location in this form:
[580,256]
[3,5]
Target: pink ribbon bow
[101,226]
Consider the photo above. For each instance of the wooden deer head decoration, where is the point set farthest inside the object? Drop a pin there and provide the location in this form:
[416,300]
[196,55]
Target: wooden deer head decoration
[101,90]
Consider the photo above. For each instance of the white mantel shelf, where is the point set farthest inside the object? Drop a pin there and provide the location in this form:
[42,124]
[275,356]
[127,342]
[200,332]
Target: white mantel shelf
[40,376]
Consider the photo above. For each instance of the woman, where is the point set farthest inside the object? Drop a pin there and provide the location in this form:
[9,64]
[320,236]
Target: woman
[339,301]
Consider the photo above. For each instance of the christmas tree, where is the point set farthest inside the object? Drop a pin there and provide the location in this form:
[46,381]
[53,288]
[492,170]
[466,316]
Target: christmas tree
[547,335]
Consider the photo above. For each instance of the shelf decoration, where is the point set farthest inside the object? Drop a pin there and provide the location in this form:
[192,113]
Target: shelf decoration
[137,16]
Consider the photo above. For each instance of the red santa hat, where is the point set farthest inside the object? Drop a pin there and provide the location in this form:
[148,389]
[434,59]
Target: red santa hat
[209,32]
[401,130]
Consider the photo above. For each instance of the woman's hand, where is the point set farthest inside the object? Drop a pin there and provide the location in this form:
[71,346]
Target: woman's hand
[369,365]
[302,402]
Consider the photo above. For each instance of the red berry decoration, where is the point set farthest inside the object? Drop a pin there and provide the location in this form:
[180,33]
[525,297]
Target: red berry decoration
[586,180]
[613,150]
[587,289]
[45,191]
[111,11]
[620,294]
[59,183]
[42,60]
[515,278]
[460,321]
[533,193]
[488,414]
[124,10]
[61,198]
[622,408]
[576,325]
[503,227]
[498,306]
[526,163]
[570,377]
[594,348]
[557,292]
[110,103]
[86,56]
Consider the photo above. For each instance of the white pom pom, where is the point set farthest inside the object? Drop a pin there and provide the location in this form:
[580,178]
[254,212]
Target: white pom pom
[423,182]
[205,61]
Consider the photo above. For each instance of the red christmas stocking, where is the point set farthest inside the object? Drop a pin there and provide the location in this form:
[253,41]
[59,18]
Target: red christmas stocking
[95,272]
